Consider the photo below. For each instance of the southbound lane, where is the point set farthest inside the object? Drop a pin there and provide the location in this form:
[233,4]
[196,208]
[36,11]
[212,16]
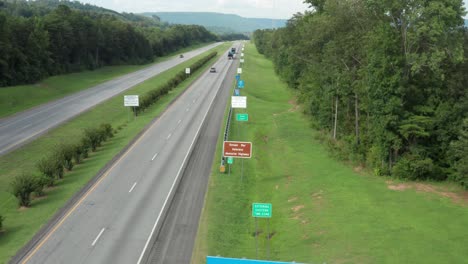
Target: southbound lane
[114,221]
[26,126]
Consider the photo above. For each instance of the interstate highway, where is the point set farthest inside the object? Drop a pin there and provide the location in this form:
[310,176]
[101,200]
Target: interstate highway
[115,220]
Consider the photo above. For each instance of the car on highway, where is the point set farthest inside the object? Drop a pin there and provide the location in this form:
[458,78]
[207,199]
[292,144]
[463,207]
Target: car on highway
[181,55]
[213,69]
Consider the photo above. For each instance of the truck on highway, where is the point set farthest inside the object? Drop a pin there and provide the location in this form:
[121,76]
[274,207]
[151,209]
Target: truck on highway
[230,55]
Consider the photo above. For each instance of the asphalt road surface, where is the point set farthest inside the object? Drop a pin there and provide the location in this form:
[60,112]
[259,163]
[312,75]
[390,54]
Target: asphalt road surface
[118,218]
[26,126]
[175,241]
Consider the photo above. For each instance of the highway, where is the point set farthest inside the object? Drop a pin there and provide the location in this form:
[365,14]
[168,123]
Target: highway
[118,219]
[24,127]
[176,239]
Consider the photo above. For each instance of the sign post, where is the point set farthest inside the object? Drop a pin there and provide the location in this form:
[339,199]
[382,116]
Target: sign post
[262,210]
[132,101]
[239,101]
[242,117]
[230,160]
[238,149]
[241,84]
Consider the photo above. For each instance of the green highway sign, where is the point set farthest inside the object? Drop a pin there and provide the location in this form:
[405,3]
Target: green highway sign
[262,210]
[242,117]
[230,160]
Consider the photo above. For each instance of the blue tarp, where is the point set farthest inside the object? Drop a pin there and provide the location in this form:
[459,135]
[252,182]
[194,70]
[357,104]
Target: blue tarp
[219,260]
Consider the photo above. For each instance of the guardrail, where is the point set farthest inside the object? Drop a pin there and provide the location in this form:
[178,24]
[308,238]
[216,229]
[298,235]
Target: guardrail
[226,132]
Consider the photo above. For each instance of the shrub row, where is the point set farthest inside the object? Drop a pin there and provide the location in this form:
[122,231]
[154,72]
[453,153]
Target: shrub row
[62,158]
[153,96]
[1,222]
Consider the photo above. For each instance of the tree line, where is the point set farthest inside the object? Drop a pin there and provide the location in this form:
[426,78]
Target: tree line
[386,80]
[37,41]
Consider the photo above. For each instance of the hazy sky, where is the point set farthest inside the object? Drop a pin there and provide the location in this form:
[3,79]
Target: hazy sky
[245,8]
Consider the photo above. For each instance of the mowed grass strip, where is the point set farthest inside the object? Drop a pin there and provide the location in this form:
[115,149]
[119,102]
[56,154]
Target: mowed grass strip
[323,211]
[14,99]
[21,224]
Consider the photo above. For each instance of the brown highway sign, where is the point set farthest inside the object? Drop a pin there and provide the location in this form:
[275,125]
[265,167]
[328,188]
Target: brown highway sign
[237,149]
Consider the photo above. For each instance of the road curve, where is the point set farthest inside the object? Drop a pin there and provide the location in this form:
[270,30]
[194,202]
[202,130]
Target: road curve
[22,128]
[114,221]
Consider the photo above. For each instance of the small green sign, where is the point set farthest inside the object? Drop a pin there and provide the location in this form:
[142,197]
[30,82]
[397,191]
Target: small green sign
[242,117]
[262,210]
[230,160]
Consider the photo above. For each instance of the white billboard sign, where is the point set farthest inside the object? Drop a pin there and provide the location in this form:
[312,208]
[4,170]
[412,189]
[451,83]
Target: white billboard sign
[187,70]
[239,70]
[131,100]
[239,101]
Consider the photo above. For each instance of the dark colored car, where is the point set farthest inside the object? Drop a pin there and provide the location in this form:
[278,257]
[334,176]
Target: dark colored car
[213,69]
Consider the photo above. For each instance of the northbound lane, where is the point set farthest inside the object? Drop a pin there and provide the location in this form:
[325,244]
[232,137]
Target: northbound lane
[26,126]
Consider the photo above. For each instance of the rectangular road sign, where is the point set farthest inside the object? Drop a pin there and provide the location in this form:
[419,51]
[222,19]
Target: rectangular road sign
[131,100]
[262,210]
[230,160]
[237,149]
[242,117]
[187,70]
[241,60]
[240,84]
[237,77]
[239,101]
[242,54]
[236,92]
[239,70]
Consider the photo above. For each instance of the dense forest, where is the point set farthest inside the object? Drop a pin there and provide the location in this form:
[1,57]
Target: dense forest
[386,80]
[48,37]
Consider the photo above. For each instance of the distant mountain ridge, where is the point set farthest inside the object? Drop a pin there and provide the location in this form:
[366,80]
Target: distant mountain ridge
[218,22]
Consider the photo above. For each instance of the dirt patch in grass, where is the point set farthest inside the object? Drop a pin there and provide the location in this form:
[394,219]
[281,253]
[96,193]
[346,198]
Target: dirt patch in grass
[358,169]
[294,104]
[456,197]
[292,199]
[297,208]
[23,208]
[288,180]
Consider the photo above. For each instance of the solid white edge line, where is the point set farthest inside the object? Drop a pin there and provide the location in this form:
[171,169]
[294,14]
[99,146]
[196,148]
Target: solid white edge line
[169,136]
[155,155]
[180,120]
[133,186]
[175,180]
[98,236]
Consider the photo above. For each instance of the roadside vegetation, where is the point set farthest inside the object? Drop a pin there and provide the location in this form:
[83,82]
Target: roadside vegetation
[324,211]
[385,81]
[49,37]
[57,163]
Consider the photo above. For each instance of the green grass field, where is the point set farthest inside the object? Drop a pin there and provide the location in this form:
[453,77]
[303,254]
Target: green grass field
[20,225]
[323,210]
[14,99]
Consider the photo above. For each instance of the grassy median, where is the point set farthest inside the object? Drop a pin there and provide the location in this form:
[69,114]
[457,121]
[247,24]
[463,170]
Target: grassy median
[324,211]
[14,99]
[21,224]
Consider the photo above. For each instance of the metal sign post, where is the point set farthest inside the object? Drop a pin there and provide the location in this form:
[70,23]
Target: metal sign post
[132,101]
[262,210]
